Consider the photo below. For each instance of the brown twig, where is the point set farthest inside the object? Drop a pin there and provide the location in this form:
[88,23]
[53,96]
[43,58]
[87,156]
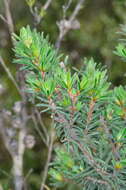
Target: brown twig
[15,148]
[89,114]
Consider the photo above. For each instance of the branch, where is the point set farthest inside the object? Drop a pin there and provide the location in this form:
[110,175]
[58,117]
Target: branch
[38,130]
[6,140]
[66,7]
[42,124]
[10,75]
[46,187]
[45,7]
[36,14]
[1,188]
[18,161]
[66,25]
[3,19]
[48,158]
[76,10]
[8,16]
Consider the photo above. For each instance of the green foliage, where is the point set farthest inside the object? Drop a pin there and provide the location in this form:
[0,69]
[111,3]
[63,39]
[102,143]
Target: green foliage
[33,50]
[63,166]
[97,86]
[89,117]
[121,51]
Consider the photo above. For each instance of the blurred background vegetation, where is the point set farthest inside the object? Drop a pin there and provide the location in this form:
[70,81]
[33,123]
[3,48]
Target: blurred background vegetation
[97,37]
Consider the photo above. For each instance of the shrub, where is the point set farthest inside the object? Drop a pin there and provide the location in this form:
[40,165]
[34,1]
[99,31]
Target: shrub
[88,115]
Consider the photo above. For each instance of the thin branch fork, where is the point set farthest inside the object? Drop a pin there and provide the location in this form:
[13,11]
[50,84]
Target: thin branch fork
[35,12]
[18,162]
[66,25]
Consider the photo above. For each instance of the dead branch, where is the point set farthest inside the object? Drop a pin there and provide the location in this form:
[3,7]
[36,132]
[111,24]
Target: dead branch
[36,13]
[65,25]
[39,131]
[8,16]
[47,4]
[10,75]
